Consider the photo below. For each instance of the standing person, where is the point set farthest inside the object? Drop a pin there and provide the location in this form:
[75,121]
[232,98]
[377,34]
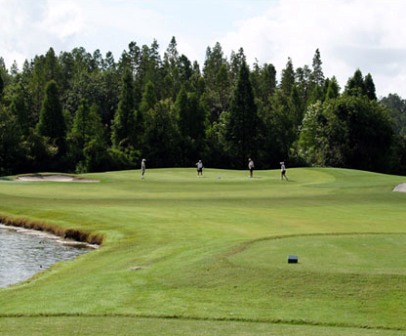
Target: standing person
[283,171]
[199,166]
[143,167]
[251,167]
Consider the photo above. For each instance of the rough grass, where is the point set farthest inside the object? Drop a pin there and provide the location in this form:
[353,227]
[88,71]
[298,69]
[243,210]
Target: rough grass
[209,255]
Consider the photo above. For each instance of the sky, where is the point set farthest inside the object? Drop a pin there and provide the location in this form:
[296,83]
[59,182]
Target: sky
[369,35]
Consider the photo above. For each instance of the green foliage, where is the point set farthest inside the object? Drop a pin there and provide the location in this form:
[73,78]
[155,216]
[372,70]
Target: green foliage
[333,89]
[369,87]
[351,131]
[213,113]
[192,125]
[263,81]
[19,108]
[9,141]
[51,123]
[123,128]
[312,143]
[87,141]
[162,135]
[1,86]
[397,111]
[360,86]
[217,80]
[242,130]
[288,78]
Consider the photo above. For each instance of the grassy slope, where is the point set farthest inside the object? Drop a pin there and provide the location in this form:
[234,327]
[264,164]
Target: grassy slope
[211,249]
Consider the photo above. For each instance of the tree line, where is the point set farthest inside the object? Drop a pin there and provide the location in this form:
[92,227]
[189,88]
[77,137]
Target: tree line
[85,112]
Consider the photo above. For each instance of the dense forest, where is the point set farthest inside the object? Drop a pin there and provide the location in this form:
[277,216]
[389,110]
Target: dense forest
[85,112]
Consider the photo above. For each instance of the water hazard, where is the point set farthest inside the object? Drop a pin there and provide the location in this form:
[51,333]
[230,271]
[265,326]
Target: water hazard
[25,252]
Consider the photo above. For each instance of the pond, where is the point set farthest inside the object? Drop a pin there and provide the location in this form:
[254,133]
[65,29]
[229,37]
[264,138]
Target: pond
[24,253]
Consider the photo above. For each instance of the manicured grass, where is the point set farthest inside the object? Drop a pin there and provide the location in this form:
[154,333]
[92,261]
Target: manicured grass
[208,255]
[136,326]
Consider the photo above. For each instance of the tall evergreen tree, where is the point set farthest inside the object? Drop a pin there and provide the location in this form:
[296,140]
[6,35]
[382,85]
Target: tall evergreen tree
[10,150]
[184,120]
[217,81]
[311,81]
[87,137]
[236,61]
[123,128]
[370,87]
[19,108]
[149,69]
[288,79]
[171,79]
[333,89]
[183,112]
[282,123]
[317,76]
[37,85]
[1,86]
[242,130]
[52,122]
[192,123]
[86,124]
[162,135]
[149,98]
[304,84]
[263,81]
[52,67]
[355,84]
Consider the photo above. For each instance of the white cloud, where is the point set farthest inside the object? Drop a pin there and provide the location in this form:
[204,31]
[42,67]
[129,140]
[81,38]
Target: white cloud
[16,22]
[350,34]
[364,34]
[62,19]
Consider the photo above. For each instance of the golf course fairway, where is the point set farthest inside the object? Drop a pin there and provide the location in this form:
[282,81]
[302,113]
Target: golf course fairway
[188,255]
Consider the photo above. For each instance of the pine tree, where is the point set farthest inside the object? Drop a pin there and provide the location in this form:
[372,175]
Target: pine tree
[1,86]
[51,122]
[19,109]
[87,137]
[170,70]
[217,82]
[317,75]
[288,78]
[10,150]
[162,135]
[355,85]
[370,87]
[243,125]
[123,127]
[333,89]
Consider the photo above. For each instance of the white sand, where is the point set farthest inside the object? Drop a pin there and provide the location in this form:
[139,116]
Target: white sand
[400,188]
[52,178]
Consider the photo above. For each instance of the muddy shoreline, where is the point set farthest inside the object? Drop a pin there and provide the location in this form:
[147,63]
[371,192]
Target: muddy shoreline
[69,236]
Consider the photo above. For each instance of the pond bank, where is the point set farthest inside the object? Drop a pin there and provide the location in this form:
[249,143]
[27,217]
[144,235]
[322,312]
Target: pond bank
[74,235]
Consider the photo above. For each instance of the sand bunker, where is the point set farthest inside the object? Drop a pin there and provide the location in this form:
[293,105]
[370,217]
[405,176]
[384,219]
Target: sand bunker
[400,188]
[52,178]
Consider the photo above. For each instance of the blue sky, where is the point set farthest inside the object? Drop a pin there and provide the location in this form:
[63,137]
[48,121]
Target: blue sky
[351,34]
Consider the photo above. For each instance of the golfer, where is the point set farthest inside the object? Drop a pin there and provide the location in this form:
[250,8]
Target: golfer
[143,167]
[199,166]
[283,171]
[251,167]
